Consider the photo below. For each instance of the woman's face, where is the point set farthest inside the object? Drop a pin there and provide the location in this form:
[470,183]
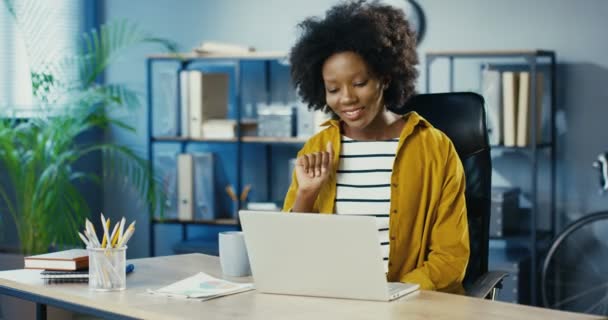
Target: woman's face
[351,90]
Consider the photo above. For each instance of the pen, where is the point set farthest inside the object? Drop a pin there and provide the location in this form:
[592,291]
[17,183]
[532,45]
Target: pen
[127,235]
[114,235]
[106,225]
[84,239]
[231,193]
[90,237]
[245,192]
[91,230]
[122,228]
[126,238]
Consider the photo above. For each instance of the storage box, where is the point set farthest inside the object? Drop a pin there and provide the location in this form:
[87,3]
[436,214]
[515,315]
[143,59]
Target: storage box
[505,217]
[276,121]
[515,287]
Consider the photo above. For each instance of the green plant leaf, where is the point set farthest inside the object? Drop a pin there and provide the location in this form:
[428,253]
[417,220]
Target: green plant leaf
[40,154]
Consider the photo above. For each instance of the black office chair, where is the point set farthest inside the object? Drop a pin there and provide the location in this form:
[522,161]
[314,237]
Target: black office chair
[461,116]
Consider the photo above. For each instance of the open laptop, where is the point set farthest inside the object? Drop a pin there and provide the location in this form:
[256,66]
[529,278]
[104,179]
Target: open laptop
[318,255]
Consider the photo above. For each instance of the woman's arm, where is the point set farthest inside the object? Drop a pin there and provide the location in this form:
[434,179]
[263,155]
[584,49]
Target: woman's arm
[447,261]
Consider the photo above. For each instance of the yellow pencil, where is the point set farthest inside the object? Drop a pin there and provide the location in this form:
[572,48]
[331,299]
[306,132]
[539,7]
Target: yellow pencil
[105,234]
[115,234]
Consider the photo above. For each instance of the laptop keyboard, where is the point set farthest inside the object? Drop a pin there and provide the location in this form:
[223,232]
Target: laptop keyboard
[394,287]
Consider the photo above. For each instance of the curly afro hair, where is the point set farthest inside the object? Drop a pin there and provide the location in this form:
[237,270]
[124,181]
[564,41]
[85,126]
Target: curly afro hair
[379,33]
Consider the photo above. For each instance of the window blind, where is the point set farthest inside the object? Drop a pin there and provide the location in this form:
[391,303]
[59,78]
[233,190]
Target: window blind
[37,38]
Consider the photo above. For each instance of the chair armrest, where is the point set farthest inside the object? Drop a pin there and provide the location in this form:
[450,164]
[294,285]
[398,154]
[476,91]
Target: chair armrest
[484,285]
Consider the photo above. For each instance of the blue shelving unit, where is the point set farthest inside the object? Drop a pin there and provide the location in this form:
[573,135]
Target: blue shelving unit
[254,78]
[534,240]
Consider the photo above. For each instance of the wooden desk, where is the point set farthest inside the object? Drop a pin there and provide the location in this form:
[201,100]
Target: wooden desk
[160,271]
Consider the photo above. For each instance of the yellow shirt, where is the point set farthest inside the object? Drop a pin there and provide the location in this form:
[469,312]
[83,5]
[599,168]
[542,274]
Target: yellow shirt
[428,230]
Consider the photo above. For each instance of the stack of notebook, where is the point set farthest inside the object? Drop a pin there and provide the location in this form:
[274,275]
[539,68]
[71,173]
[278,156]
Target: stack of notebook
[67,266]
[62,266]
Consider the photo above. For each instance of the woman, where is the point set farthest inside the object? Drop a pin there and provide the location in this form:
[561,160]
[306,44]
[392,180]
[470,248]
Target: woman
[359,61]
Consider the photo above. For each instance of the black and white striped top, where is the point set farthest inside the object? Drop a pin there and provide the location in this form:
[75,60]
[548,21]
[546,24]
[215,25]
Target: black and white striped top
[363,182]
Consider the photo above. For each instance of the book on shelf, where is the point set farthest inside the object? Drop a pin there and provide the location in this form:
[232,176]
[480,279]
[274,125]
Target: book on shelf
[219,129]
[165,164]
[184,104]
[524,109]
[204,186]
[202,286]
[491,90]
[185,192]
[196,186]
[214,47]
[207,99]
[164,97]
[510,88]
[73,259]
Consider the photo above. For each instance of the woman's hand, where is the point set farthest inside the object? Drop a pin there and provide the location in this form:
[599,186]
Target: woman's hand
[312,171]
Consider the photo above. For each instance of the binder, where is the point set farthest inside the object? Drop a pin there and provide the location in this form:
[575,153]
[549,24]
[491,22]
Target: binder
[208,99]
[185,186]
[166,168]
[525,109]
[164,98]
[510,94]
[195,96]
[204,186]
[491,89]
[184,103]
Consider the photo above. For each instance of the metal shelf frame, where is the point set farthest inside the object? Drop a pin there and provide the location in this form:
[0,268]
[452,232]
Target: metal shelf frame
[532,59]
[185,60]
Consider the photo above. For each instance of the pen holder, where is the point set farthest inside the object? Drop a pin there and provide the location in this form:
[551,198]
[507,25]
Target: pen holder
[107,269]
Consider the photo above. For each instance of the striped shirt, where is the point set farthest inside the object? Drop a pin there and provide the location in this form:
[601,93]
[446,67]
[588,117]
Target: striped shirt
[363,183]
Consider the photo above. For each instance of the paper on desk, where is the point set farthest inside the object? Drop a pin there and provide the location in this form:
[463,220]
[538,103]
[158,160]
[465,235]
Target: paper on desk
[202,286]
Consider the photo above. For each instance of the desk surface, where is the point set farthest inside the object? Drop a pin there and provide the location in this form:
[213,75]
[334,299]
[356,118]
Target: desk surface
[160,271]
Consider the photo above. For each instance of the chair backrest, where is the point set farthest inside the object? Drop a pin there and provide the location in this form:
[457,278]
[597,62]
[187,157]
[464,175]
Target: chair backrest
[461,116]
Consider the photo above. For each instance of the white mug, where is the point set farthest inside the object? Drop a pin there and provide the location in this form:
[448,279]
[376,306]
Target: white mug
[233,254]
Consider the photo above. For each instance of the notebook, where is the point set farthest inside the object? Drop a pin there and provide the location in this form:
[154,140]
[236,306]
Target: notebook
[73,259]
[53,276]
[320,255]
[78,276]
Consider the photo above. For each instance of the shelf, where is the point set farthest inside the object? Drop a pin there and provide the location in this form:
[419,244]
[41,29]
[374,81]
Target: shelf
[538,146]
[222,222]
[246,139]
[184,139]
[255,55]
[522,241]
[274,139]
[489,53]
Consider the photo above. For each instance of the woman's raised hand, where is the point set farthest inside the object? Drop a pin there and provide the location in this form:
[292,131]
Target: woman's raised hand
[314,169]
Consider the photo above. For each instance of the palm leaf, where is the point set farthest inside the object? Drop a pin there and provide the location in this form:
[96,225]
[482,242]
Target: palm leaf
[102,47]
[40,155]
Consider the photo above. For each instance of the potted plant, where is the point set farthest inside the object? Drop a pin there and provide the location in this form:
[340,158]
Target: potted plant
[39,153]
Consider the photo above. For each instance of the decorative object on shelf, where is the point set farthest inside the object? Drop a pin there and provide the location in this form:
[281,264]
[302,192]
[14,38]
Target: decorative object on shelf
[414,14]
